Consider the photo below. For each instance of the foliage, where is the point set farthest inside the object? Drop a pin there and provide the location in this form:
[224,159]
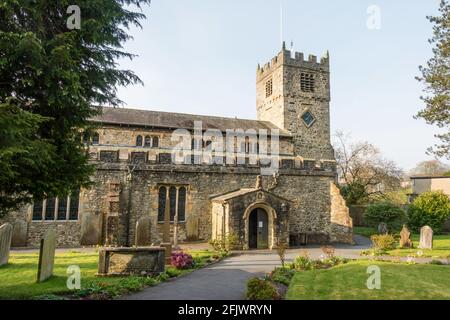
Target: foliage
[181,260]
[225,244]
[51,76]
[18,278]
[383,242]
[261,289]
[281,251]
[363,172]
[429,209]
[328,251]
[282,275]
[430,168]
[436,77]
[305,263]
[386,212]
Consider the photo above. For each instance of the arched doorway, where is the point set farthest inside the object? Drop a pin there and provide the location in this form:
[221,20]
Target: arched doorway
[258,229]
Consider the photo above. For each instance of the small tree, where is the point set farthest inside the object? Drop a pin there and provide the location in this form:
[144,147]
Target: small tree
[281,250]
[429,209]
[386,212]
[363,172]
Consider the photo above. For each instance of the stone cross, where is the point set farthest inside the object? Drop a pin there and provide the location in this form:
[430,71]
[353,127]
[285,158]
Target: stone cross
[426,238]
[46,256]
[6,231]
[383,228]
[405,241]
[143,232]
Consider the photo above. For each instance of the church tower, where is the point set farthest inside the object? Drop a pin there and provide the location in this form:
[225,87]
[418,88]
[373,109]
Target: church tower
[294,94]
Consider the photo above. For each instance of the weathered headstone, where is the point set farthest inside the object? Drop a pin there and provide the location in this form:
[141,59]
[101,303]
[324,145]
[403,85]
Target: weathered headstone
[19,236]
[426,238]
[91,229]
[46,256]
[192,228]
[405,241]
[5,242]
[143,232]
[383,228]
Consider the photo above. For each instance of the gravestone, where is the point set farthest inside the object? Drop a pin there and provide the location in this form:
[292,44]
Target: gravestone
[192,228]
[383,228]
[19,235]
[405,241]
[5,242]
[46,256]
[91,229]
[426,238]
[143,232]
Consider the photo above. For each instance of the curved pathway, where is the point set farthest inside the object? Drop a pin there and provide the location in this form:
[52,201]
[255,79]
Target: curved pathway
[227,279]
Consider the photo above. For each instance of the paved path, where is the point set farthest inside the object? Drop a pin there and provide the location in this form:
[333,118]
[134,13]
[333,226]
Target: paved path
[227,279]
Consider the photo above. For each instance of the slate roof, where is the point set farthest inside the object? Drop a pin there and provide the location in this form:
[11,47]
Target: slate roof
[169,120]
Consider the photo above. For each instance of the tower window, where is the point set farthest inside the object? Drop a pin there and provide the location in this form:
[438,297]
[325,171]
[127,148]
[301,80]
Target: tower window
[269,88]
[308,119]
[307,82]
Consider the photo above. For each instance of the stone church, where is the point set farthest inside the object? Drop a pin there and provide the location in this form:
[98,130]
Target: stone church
[137,175]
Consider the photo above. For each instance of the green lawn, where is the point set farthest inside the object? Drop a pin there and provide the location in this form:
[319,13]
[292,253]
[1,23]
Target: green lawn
[18,278]
[441,245]
[348,282]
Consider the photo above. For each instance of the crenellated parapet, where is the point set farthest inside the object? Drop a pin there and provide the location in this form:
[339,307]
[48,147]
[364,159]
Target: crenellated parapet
[295,59]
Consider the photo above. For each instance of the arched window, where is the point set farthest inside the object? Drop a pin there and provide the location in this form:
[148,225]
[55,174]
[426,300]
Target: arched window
[96,139]
[155,143]
[74,204]
[50,209]
[139,141]
[37,210]
[182,204]
[148,142]
[173,201]
[161,203]
[86,138]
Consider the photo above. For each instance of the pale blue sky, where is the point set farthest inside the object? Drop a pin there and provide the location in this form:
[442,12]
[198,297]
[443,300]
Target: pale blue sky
[200,56]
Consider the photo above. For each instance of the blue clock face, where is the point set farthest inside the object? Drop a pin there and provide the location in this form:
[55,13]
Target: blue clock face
[308,118]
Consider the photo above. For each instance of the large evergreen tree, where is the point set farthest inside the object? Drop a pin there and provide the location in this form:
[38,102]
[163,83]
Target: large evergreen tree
[50,78]
[436,77]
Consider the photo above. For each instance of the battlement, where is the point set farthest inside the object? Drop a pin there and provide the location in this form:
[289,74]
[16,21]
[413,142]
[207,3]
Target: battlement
[296,59]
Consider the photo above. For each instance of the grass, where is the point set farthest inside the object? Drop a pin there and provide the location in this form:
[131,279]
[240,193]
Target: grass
[348,282]
[18,278]
[441,245]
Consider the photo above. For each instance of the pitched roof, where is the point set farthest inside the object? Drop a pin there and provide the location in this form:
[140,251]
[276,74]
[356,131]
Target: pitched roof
[169,120]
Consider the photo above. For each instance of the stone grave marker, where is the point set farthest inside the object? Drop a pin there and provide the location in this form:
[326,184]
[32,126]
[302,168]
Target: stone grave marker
[19,235]
[383,228]
[91,229]
[47,256]
[5,242]
[426,238]
[405,240]
[143,232]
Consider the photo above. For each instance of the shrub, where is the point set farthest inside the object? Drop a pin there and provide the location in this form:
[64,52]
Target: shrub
[282,275]
[328,251]
[386,212]
[181,260]
[383,242]
[303,263]
[261,289]
[224,244]
[429,209]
